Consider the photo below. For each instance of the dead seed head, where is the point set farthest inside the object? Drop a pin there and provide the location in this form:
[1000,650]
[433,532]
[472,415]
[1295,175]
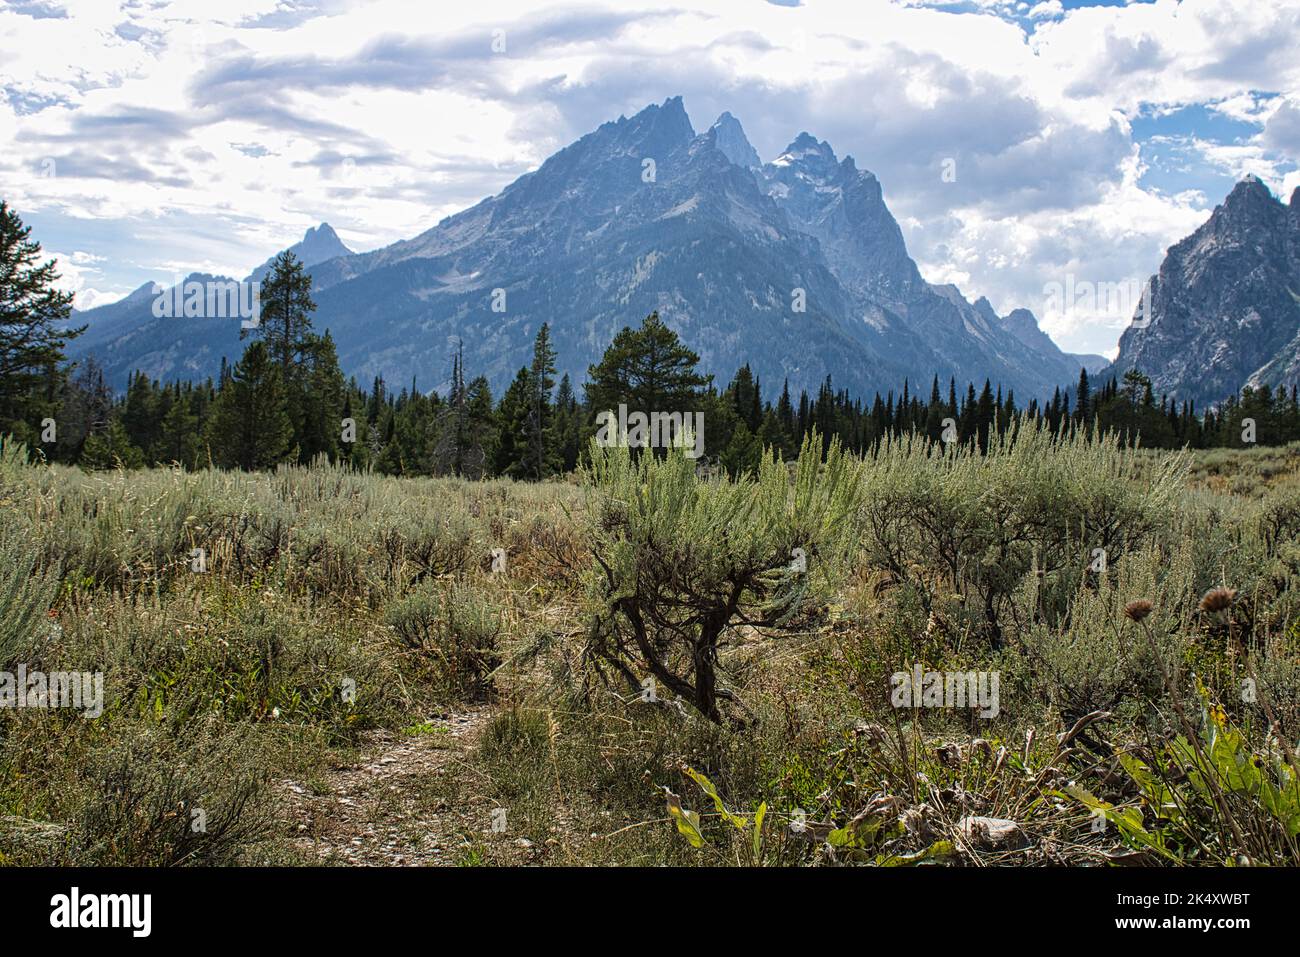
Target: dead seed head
[1218,599]
[1137,610]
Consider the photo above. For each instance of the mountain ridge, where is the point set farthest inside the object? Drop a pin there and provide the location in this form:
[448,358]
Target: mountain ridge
[795,267]
[1224,306]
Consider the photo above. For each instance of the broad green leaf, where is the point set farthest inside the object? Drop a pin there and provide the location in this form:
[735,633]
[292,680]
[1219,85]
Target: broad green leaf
[939,849]
[735,820]
[688,822]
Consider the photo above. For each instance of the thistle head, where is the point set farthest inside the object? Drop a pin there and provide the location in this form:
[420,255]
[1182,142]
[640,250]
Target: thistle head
[1218,599]
[1138,609]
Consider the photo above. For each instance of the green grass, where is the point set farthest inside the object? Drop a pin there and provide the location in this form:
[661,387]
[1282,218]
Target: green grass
[334,604]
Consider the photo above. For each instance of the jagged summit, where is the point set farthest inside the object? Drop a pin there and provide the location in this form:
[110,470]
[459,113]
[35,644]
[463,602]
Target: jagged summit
[729,137]
[808,154]
[1251,190]
[796,267]
[1225,305]
[319,244]
[666,122]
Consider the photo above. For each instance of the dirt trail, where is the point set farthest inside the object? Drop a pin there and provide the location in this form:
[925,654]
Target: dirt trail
[402,804]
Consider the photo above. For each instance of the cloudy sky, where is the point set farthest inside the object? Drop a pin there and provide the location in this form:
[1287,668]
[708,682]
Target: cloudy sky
[147,138]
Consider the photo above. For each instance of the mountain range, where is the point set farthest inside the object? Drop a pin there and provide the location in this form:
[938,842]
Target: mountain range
[795,266]
[125,336]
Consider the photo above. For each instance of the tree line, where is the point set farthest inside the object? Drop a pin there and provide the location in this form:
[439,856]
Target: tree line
[287,400]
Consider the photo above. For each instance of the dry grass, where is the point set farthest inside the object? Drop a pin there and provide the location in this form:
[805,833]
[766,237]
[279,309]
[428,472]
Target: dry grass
[343,619]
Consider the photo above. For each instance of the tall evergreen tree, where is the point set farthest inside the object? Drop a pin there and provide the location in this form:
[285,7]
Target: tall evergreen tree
[85,409]
[513,458]
[649,370]
[285,326]
[542,458]
[985,414]
[142,413]
[1082,398]
[321,387]
[250,428]
[567,425]
[178,439]
[785,418]
[465,431]
[33,331]
[286,306]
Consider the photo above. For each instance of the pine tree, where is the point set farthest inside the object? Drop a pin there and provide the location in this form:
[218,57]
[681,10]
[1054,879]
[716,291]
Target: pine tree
[968,421]
[85,408]
[985,415]
[935,413]
[481,431]
[542,459]
[142,414]
[746,402]
[450,453]
[744,451]
[465,442]
[512,459]
[785,416]
[1082,404]
[647,369]
[32,334]
[249,427]
[111,448]
[357,452]
[824,414]
[178,439]
[322,387]
[284,318]
[566,425]
[284,324]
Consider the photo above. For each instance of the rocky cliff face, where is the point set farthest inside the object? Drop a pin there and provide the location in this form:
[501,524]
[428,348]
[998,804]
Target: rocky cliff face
[796,267]
[319,244]
[1225,306]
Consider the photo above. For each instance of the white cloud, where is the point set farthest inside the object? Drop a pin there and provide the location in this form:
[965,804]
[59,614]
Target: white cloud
[1049,8]
[77,272]
[185,134]
[1247,107]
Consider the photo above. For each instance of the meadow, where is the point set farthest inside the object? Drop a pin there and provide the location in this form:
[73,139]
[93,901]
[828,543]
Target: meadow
[642,665]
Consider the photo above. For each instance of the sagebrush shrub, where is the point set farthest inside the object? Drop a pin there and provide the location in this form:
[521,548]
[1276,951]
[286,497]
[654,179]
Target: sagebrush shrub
[157,801]
[953,521]
[26,593]
[457,628]
[682,560]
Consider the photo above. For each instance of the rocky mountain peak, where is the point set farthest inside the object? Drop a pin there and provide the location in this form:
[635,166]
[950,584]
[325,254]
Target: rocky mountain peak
[1225,307]
[665,126]
[1023,324]
[714,241]
[729,137]
[320,243]
[808,156]
[985,309]
[1249,198]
